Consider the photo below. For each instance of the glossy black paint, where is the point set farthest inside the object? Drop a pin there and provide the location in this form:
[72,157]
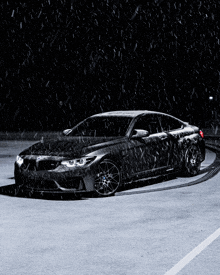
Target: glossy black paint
[161,150]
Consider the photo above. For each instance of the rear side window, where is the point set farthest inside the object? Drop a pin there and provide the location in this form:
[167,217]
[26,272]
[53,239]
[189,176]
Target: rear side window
[149,123]
[169,123]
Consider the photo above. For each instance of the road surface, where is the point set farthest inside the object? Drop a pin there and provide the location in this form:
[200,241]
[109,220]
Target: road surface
[170,227]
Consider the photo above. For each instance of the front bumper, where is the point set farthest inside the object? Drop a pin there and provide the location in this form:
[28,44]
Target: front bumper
[58,180]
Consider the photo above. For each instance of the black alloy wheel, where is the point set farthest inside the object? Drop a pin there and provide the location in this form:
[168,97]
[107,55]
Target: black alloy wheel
[193,158]
[107,179]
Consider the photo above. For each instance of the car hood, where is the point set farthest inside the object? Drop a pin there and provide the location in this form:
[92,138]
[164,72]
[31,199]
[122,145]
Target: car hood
[69,146]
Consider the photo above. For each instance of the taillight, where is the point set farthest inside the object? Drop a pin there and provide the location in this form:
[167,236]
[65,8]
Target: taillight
[201,134]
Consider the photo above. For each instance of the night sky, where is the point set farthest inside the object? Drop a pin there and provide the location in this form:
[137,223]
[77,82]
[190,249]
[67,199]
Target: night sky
[62,61]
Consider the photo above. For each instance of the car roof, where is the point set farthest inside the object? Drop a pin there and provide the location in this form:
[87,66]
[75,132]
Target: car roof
[126,113]
[134,113]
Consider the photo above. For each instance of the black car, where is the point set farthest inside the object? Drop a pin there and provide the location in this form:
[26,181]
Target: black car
[108,150]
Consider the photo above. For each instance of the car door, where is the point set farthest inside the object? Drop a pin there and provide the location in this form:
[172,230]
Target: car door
[147,155]
[159,142]
[175,131]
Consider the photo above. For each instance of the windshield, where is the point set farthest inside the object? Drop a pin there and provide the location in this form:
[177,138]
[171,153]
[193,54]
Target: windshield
[102,127]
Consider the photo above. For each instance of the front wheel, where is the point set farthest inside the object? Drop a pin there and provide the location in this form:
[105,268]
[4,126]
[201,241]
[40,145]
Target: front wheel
[193,159]
[107,179]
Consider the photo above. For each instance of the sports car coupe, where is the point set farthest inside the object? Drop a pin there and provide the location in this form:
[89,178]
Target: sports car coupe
[106,151]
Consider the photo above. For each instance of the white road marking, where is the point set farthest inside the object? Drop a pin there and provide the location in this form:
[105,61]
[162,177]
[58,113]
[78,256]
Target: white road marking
[196,251]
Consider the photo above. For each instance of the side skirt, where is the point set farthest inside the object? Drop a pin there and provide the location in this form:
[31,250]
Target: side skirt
[140,181]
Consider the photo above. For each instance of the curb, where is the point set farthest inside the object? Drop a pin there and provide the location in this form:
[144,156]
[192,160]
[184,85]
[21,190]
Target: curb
[215,137]
[29,135]
[213,147]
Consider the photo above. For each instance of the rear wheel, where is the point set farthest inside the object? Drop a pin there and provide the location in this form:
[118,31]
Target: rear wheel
[193,159]
[107,179]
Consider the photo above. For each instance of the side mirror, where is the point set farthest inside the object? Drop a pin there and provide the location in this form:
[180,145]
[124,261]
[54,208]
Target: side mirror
[66,132]
[139,133]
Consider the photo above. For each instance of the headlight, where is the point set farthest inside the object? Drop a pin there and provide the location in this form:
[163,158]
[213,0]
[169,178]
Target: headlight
[19,160]
[77,162]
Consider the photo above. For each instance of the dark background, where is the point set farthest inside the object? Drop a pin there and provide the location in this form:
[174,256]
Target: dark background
[62,61]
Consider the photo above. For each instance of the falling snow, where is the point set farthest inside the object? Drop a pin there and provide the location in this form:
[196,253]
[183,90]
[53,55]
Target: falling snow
[106,55]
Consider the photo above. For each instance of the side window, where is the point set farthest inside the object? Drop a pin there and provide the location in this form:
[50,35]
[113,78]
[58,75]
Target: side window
[149,123]
[169,123]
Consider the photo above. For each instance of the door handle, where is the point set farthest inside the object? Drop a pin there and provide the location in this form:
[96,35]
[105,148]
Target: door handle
[163,138]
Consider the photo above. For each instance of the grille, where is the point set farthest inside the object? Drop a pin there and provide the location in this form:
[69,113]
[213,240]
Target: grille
[48,165]
[32,165]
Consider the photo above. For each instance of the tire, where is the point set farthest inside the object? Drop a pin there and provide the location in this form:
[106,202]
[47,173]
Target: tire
[193,159]
[107,179]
